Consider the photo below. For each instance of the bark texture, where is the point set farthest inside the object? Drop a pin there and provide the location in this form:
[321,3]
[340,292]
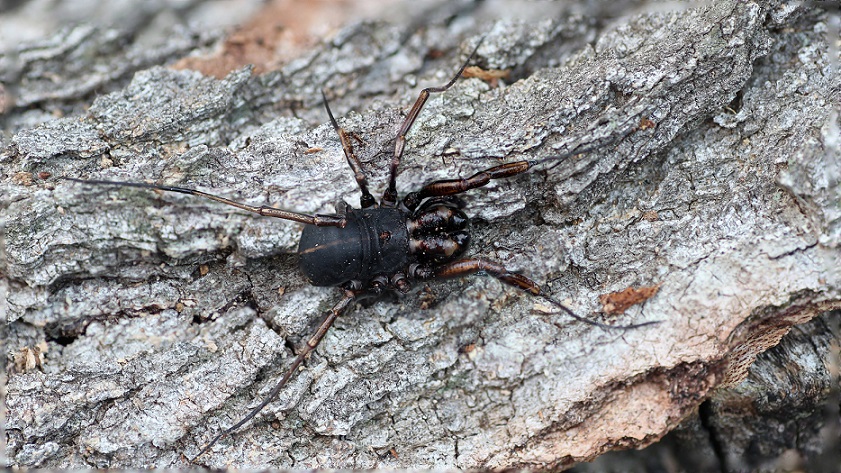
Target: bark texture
[164,318]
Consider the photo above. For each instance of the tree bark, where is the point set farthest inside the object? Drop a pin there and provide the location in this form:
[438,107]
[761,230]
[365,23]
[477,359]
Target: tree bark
[711,173]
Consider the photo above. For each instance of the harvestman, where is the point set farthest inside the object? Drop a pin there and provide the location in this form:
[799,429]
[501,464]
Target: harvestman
[389,245]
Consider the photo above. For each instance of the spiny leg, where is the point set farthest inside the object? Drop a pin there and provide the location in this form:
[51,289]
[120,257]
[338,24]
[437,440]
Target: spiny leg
[367,200]
[330,316]
[317,220]
[471,266]
[390,195]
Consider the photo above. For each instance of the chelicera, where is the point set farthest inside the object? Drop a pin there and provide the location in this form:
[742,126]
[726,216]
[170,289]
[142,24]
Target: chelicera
[385,246]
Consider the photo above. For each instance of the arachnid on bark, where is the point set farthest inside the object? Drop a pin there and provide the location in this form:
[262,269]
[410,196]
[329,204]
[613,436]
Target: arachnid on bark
[139,325]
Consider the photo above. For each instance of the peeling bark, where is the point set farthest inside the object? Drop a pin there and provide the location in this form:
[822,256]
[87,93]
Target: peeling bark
[166,317]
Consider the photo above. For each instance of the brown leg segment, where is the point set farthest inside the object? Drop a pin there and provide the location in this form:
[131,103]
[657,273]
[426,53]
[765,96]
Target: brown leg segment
[466,267]
[448,187]
[329,317]
[457,186]
[317,220]
[367,200]
[390,195]
[471,266]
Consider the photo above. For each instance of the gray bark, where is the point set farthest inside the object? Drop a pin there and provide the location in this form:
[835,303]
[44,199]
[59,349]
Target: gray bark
[167,317]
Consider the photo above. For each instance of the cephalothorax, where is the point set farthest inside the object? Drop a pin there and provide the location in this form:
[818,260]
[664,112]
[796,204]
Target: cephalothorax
[386,245]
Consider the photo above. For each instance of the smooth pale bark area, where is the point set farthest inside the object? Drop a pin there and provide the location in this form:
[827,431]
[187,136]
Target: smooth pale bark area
[712,173]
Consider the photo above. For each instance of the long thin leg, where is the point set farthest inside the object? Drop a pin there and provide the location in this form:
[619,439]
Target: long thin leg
[457,186]
[447,187]
[317,220]
[330,316]
[367,200]
[390,195]
[466,267]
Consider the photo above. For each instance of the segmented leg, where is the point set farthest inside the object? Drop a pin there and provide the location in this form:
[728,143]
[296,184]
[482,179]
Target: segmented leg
[317,220]
[450,187]
[330,316]
[466,267]
[390,195]
[367,200]
[457,186]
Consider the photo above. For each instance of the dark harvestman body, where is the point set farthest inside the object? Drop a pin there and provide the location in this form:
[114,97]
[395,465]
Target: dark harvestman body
[385,246]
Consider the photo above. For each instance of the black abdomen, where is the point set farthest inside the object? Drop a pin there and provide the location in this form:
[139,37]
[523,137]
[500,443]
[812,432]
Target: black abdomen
[374,242]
